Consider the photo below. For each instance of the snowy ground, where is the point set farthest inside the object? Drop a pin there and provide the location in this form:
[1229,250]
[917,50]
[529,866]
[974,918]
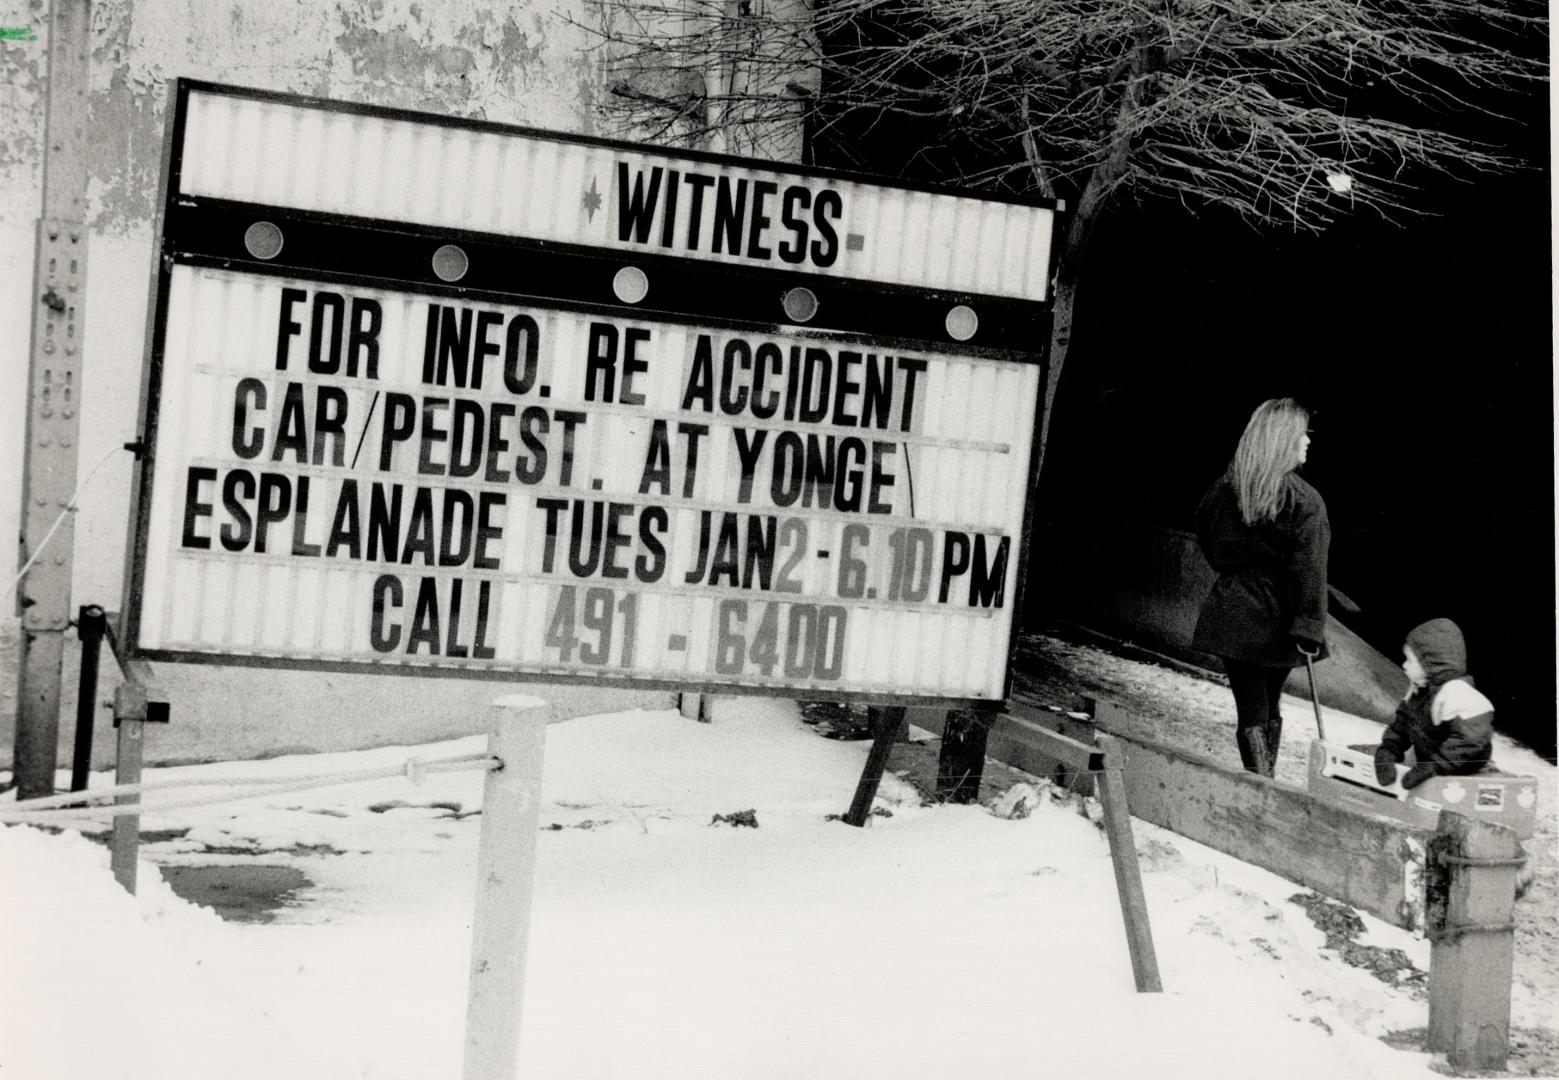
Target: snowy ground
[939,942]
[1197,714]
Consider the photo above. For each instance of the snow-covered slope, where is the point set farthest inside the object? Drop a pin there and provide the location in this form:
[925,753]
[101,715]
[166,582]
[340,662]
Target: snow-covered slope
[938,942]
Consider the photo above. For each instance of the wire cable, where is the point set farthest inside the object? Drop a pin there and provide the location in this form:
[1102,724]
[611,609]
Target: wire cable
[70,508]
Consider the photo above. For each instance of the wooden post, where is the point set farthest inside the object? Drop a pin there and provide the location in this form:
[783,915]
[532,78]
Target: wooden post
[1128,875]
[694,707]
[886,723]
[1367,860]
[1471,886]
[134,708]
[961,759]
[505,873]
[125,842]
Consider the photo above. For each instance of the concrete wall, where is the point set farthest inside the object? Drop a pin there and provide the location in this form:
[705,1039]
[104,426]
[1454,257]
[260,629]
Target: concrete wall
[519,62]
[524,65]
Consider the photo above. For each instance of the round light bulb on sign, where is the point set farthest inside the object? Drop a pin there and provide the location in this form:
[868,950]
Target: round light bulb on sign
[450,263]
[800,304]
[962,323]
[263,240]
[631,284]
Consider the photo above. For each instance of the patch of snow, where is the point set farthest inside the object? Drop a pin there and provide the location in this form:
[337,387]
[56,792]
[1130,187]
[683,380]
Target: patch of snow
[940,941]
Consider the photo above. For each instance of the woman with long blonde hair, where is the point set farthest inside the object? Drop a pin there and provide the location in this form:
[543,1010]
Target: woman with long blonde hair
[1265,532]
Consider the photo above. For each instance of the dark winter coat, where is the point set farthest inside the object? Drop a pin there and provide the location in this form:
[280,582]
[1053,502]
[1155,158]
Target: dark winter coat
[1271,587]
[1447,723]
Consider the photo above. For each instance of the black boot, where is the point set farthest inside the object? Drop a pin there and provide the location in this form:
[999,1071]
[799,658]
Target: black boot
[1252,742]
[1274,736]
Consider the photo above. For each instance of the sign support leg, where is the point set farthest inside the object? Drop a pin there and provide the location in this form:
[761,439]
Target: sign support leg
[1128,875]
[134,707]
[505,874]
[886,723]
[125,844]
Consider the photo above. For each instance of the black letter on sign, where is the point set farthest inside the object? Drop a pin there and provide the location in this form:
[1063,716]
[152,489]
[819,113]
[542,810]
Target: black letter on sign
[291,433]
[601,356]
[485,321]
[694,432]
[657,463]
[700,381]
[636,210]
[730,210]
[300,545]
[988,583]
[454,348]
[236,534]
[519,357]
[955,560]
[366,317]
[455,539]
[552,508]
[749,446]
[387,594]
[248,389]
[346,529]
[318,364]
[795,198]
[761,190]
[288,328]
[400,420]
[825,249]
[274,504]
[486,503]
[330,419]
[651,565]
[424,621]
[632,365]
[194,508]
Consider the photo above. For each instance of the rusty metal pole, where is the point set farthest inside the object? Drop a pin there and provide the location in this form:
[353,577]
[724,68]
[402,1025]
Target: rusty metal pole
[53,402]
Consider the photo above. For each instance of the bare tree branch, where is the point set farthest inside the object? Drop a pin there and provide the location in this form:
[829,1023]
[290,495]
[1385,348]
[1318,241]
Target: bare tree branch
[1290,113]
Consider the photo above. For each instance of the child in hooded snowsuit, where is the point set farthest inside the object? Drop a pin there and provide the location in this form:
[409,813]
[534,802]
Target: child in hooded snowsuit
[1447,724]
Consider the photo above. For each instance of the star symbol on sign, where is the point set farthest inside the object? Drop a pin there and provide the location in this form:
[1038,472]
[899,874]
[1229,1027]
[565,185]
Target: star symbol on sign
[591,200]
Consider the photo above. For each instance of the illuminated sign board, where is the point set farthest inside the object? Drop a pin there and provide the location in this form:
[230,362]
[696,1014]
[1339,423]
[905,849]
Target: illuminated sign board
[360,463]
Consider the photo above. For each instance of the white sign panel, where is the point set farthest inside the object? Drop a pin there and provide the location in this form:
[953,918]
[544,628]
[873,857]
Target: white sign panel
[367,476]
[438,395]
[309,156]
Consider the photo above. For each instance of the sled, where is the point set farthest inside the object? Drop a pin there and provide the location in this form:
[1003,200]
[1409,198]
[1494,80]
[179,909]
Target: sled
[1346,774]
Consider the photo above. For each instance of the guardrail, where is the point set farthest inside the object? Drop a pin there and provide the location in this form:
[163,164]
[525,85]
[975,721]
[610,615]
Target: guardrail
[1454,884]
[1100,757]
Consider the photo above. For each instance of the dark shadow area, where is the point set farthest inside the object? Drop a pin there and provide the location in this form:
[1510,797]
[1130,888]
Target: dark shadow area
[1425,354]
[238,892]
[1423,347]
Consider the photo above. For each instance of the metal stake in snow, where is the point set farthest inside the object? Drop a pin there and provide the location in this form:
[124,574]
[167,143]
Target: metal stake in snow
[505,871]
